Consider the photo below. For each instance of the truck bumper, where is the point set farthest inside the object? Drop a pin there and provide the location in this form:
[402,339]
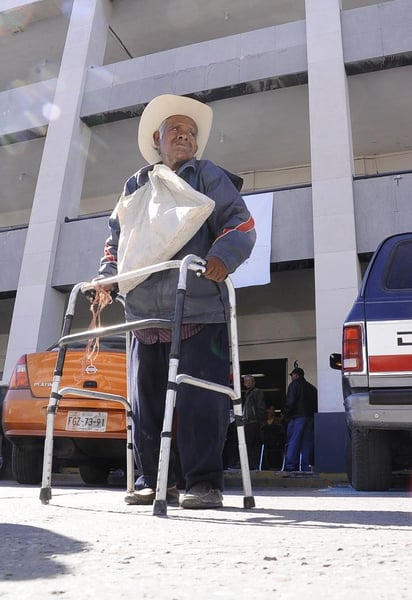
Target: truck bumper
[360,413]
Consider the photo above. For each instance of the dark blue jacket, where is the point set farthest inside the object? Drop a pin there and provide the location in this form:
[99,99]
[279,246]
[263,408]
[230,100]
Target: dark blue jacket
[228,234]
[301,399]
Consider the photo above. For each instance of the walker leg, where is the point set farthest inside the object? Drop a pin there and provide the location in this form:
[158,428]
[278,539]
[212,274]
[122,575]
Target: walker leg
[129,421]
[249,502]
[45,491]
[160,503]
[262,452]
[129,454]
[248,499]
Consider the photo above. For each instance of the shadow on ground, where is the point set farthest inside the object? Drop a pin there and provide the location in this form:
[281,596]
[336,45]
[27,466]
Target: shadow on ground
[28,552]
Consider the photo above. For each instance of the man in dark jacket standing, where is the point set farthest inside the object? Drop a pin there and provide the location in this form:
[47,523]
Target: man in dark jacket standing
[300,406]
[254,414]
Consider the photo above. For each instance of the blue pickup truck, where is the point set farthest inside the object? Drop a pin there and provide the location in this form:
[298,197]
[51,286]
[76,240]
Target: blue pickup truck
[376,365]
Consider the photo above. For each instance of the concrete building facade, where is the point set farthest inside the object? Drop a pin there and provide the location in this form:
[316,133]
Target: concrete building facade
[311,103]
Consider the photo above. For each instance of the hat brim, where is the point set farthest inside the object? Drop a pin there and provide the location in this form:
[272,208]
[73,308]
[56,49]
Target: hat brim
[162,107]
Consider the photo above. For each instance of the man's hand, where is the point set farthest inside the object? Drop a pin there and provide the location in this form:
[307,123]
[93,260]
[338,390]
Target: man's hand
[98,282]
[215,269]
[94,289]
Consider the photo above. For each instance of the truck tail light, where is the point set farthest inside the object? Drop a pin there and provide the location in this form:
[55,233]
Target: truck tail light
[352,353]
[20,379]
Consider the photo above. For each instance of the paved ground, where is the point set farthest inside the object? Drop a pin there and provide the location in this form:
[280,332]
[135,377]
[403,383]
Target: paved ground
[304,543]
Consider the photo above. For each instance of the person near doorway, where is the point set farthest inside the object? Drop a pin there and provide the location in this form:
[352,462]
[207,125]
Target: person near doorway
[300,406]
[254,416]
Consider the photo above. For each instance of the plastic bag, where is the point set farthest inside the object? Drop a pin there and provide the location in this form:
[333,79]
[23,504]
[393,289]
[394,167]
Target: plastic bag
[156,221]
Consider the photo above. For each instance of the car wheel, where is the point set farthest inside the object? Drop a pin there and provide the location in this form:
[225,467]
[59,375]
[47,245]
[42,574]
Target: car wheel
[26,464]
[93,474]
[371,460]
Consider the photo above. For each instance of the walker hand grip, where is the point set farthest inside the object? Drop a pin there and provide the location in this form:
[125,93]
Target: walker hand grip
[200,267]
[89,291]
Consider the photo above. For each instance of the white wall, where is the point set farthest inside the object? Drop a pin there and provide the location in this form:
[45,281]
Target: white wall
[278,321]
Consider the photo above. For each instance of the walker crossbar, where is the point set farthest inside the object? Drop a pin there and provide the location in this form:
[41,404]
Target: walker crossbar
[113,330]
[190,262]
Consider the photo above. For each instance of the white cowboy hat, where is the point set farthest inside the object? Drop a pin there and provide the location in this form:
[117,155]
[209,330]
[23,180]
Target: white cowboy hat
[162,107]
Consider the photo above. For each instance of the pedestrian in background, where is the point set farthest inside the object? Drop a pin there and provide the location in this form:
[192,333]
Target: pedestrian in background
[300,406]
[254,415]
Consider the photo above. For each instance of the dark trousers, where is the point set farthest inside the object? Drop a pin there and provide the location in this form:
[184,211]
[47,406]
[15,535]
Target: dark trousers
[273,439]
[299,444]
[231,457]
[253,443]
[202,416]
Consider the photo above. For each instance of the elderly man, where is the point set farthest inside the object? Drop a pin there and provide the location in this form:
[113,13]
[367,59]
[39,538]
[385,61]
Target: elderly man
[174,130]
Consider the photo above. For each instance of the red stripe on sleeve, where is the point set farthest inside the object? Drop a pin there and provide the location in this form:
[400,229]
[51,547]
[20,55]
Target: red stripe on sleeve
[243,227]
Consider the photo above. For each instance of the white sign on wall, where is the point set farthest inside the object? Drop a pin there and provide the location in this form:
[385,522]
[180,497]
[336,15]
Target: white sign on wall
[256,270]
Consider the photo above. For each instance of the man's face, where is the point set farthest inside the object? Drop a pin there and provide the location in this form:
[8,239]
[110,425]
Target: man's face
[175,140]
[248,382]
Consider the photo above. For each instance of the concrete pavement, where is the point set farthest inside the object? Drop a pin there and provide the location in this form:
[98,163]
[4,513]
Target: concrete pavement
[306,543]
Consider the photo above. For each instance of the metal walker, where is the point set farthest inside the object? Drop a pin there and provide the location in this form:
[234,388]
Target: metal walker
[190,262]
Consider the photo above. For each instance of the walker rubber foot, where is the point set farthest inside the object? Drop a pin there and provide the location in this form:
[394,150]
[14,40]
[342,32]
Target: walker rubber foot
[45,495]
[249,502]
[160,508]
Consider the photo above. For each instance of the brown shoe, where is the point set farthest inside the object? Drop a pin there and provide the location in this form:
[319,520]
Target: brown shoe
[146,496]
[202,495]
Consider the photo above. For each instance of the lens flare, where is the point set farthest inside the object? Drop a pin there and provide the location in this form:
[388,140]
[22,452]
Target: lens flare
[51,111]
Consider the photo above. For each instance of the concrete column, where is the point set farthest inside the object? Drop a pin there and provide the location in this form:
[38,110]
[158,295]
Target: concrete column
[39,309]
[337,273]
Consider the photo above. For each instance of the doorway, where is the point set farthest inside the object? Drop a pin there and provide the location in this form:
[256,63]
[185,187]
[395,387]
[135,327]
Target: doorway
[271,378]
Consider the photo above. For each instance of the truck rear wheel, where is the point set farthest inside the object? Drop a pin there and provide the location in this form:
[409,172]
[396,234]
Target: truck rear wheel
[348,459]
[26,464]
[371,460]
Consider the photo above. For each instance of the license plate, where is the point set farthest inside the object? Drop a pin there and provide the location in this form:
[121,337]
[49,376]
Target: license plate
[79,420]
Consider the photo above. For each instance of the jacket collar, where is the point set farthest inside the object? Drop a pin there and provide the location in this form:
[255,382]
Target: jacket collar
[142,176]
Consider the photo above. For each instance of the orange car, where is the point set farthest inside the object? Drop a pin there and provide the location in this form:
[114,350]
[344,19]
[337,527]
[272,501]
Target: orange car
[88,433]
